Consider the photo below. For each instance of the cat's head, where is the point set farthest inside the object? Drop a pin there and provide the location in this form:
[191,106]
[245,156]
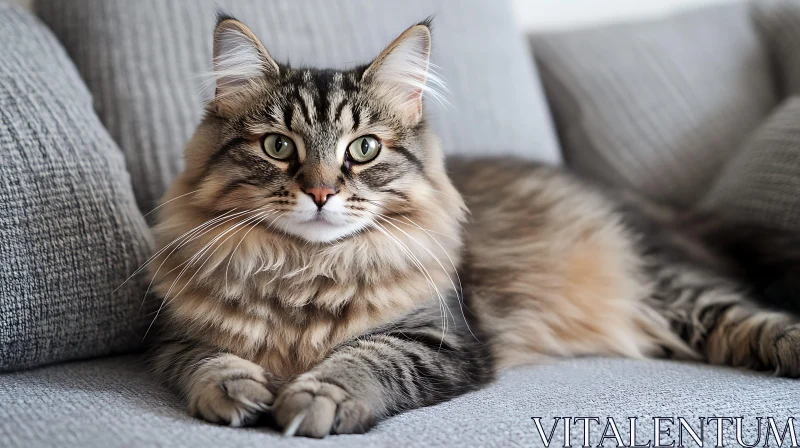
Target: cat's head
[322,154]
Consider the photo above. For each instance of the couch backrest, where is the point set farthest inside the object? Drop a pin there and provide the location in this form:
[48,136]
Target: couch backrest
[141,59]
[658,106]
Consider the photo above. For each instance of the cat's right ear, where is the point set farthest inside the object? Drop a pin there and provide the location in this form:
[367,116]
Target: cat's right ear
[242,66]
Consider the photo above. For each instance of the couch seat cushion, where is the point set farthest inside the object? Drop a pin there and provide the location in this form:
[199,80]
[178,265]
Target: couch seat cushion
[114,403]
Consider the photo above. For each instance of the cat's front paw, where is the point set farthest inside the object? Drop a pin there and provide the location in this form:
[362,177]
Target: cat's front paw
[787,361]
[315,408]
[231,393]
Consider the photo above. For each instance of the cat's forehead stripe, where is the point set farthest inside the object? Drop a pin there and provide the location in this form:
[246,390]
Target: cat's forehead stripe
[356,110]
[322,82]
[338,114]
[299,99]
[288,114]
[321,95]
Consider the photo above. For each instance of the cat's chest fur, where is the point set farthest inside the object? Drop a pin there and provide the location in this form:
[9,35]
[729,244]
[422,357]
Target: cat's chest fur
[285,305]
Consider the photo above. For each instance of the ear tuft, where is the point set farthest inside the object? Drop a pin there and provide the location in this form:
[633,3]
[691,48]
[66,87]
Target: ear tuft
[428,22]
[402,72]
[242,65]
[223,15]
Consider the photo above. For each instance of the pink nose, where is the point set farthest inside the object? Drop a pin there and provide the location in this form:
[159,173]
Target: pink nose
[319,194]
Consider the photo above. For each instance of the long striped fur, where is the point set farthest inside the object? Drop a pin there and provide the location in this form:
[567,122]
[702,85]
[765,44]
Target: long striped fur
[331,288]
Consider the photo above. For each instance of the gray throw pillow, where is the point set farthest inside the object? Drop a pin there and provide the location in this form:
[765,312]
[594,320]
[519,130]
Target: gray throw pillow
[141,60]
[761,185]
[658,106]
[70,230]
[779,23]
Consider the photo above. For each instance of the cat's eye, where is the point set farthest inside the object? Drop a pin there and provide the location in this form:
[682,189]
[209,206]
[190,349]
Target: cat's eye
[278,146]
[364,149]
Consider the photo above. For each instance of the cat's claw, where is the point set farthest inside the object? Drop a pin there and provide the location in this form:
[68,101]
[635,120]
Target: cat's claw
[291,428]
[313,408]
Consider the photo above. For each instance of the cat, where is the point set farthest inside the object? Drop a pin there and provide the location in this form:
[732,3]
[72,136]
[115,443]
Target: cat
[317,263]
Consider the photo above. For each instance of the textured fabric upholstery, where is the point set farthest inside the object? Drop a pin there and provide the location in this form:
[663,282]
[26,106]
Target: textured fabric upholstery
[762,183]
[141,60]
[659,106]
[70,231]
[114,403]
[779,23]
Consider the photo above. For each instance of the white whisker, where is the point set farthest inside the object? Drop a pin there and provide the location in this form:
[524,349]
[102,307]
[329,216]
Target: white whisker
[167,202]
[459,291]
[404,248]
[153,257]
[165,301]
[196,233]
[230,258]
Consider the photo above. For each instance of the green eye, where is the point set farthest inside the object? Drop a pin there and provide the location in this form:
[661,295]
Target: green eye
[278,146]
[364,149]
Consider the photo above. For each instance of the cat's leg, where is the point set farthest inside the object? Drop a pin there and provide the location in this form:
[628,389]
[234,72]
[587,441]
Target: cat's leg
[719,321]
[219,387]
[381,374]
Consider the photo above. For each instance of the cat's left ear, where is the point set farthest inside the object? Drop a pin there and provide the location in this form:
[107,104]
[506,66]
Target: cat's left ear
[400,72]
[242,66]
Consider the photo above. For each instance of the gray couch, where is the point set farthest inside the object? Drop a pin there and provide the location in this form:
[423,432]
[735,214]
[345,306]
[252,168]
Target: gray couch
[97,98]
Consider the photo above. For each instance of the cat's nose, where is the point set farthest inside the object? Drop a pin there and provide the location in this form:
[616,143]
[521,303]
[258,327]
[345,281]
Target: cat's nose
[320,195]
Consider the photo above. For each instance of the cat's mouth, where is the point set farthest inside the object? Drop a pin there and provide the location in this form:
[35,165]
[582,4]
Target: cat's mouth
[329,223]
[320,218]
[322,228]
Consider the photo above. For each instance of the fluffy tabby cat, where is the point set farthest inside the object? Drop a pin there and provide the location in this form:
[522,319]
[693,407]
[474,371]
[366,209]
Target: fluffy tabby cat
[318,264]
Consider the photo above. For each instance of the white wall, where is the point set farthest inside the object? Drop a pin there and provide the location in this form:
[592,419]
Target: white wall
[23,3]
[542,15]
[546,15]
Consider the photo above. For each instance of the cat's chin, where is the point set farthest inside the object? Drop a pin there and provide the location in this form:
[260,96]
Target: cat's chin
[321,231]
